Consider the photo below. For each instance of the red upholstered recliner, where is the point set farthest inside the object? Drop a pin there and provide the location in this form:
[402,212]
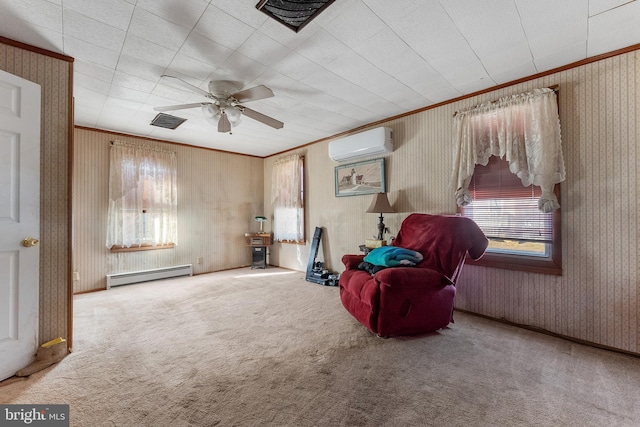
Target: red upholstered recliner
[413,300]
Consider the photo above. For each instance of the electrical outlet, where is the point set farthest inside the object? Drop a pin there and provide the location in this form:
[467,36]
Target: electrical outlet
[76,276]
[200,260]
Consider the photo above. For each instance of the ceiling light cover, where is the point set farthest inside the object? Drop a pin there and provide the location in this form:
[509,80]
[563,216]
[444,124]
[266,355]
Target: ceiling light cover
[294,14]
[233,114]
[211,113]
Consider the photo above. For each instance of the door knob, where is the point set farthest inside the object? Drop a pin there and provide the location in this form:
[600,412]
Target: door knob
[30,241]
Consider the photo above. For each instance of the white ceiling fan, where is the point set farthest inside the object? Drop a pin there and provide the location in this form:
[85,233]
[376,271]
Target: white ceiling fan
[225,109]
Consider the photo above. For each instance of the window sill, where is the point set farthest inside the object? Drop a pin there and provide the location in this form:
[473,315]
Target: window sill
[291,242]
[144,247]
[518,263]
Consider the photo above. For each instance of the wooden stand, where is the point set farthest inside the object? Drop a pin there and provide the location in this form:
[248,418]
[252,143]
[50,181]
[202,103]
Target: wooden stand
[258,243]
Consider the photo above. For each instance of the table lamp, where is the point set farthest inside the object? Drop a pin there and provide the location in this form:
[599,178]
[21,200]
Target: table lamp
[380,204]
[261,219]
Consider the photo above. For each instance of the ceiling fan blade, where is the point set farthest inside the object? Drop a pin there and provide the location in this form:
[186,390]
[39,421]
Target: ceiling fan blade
[269,121]
[223,124]
[179,107]
[253,94]
[186,85]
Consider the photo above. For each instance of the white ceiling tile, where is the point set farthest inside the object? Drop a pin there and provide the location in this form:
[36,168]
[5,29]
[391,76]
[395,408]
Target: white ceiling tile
[128,94]
[238,67]
[513,58]
[513,71]
[118,103]
[204,50]
[322,48]
[43,14]
[34,35]
[548,32]
[296,66]
[185,13]
[93,70]
[147,51]
[558,58]
[465,76]
[89,82]
[219,26]
[358,62]
[115,13]
[286,36]
[86,116]
[91,31]
[486,29]
[139,68]
[252,17]
[133,82]
[185,65]
[392,55]
[263,49]
[80,49]
[599,6]
[354,24]
[614,29]
[158,30]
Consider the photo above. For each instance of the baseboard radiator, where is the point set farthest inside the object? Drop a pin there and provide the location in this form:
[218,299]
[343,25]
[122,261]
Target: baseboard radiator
[148,275]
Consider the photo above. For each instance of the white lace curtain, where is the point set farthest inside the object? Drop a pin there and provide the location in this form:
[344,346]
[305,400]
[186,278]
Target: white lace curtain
[286,196]
[523,129]
[142,196]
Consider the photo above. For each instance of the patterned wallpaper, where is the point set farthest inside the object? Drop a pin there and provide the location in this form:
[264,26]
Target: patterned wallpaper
[219,194]
[597,297]
[53,75]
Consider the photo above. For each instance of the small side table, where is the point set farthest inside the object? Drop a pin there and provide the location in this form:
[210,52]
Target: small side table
[258,243]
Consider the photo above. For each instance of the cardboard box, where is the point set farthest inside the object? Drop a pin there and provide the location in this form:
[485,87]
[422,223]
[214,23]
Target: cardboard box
[372,243]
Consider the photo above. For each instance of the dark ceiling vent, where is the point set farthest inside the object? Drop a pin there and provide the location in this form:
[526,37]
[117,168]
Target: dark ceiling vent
[294,14]
[167,121]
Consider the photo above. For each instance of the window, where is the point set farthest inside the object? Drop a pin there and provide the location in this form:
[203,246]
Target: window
[142,198]
[287,192]
[515,201]
[520,235]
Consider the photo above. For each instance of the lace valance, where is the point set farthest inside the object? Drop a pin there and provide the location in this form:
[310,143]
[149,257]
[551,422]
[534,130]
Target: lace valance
[523,129]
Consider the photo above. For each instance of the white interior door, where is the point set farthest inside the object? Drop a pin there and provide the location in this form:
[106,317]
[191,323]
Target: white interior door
[19,220]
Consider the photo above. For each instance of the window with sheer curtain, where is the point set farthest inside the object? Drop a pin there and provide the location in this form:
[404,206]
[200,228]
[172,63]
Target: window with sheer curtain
[287,196]
[142,198]
[508,162]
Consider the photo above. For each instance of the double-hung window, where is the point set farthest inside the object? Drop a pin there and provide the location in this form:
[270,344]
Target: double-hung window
[520,235]
[287,192]
[142,198]
[508,162]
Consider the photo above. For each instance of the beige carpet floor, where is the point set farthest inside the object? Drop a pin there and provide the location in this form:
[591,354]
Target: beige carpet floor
[266,348]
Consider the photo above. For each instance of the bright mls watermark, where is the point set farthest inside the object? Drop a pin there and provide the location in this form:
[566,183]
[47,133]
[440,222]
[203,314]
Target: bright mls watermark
[34,415]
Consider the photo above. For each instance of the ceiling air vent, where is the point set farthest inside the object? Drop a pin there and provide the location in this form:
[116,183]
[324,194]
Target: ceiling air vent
[294,14]
[167,121]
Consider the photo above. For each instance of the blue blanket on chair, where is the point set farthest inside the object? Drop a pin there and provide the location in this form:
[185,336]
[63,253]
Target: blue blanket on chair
[393,256]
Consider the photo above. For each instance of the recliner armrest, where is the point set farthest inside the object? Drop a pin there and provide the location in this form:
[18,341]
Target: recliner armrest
[351,262]
[411,276]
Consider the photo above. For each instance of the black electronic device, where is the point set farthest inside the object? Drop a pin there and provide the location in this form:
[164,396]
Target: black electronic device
[316,273]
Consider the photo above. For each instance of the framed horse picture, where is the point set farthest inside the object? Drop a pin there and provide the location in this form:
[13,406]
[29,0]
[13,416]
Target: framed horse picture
[355,179]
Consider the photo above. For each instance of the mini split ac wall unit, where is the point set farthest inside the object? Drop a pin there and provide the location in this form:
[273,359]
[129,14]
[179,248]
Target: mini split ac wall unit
[367,143]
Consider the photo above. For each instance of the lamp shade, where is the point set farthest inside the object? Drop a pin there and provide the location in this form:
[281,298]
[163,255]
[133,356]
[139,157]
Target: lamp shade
[211,113]
[380,204]
[234,115]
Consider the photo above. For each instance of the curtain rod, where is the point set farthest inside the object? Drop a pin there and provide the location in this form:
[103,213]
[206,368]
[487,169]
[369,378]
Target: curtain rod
[554,88]
[140,146]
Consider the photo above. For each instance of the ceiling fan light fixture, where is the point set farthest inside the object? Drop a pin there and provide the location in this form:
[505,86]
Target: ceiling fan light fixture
[233,114]
[211,113]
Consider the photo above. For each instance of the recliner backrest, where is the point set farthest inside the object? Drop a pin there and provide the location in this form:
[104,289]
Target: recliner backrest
[443,240]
